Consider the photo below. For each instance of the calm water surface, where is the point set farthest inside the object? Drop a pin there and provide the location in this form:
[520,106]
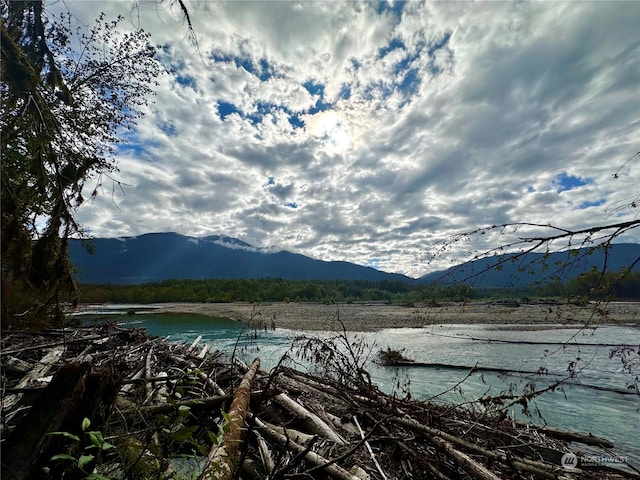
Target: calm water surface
[577,407]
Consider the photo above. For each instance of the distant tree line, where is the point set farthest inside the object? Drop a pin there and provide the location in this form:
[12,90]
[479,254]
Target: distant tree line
[592,285]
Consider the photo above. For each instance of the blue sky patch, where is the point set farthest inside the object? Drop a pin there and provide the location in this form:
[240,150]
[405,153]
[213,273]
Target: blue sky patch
[404,64]
[317,89]
[295,120]
[261,69]
[394,44]
[588,204]
[261,110]
[410,83]
[314,88]
[292,205]
[565,182]
[186,81]
[439,44]
[345,91]
[267,70]
[168,128]
[225,109]
[136,149]
[394,7]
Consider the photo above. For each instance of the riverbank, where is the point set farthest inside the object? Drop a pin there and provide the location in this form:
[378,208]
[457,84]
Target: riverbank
[359,317]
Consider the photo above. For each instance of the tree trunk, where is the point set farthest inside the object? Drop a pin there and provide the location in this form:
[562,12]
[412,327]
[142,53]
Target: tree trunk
[223,461]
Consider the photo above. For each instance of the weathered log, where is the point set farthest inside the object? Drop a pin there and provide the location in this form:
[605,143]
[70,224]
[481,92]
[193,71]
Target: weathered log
[437,473]
[15,365]
[129,385]
[403,446]
[195,343]
[467,463]
[586,439]
[311,421]
[523,464]
[40,370]
[222,462]
[45,346]
[201,375]
[147,373]
[373,457]
[434,432]
[344,427]
[265,453]
[295,435]
[315,459]
[204,351]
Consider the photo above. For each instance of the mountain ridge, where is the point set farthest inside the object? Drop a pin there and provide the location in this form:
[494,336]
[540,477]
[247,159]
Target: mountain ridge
[524,269]
[154,257]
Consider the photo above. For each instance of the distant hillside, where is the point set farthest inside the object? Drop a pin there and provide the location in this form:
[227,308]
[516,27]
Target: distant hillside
[160,256]
[534,267]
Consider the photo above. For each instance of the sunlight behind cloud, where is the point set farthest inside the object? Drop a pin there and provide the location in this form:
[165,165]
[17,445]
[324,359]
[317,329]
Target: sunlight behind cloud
[332,129]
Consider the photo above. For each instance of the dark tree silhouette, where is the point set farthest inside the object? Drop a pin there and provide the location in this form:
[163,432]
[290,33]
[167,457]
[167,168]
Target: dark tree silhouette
[67,92]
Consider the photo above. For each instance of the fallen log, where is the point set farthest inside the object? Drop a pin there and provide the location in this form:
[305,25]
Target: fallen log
[295,435]
[265,454]
[221,462]
[586,439]
[203,376]
[313,458]
[464,461]
[312,422]
[474,368]
[39,371]
[16,365]
[366,443]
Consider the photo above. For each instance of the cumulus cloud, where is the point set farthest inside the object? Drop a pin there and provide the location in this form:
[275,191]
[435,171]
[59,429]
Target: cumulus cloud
[366,132]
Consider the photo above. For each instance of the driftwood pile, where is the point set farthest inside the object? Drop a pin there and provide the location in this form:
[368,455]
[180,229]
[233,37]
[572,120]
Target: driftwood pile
[106,402]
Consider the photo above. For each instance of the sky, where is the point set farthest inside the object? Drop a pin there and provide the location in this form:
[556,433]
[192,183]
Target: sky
[372,132]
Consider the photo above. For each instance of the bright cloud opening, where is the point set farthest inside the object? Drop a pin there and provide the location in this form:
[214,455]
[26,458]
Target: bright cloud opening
[332,129]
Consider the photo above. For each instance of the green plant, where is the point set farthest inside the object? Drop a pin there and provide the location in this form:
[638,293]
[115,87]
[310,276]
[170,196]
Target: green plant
[97,444]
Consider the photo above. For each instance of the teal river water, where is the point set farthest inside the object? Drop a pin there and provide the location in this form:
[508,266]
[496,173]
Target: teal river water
[609,414]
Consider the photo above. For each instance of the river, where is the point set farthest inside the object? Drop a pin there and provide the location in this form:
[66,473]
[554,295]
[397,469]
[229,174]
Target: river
[577,406]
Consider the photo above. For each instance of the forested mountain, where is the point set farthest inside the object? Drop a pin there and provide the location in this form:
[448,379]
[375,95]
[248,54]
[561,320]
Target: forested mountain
[155,257]
[507,270]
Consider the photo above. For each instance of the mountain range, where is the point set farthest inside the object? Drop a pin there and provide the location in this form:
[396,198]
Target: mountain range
[156,257]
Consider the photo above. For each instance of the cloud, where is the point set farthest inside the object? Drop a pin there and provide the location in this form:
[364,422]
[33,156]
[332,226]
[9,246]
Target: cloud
[367,132]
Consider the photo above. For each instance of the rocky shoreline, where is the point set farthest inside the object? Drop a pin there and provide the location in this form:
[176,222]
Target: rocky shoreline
[360,317]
